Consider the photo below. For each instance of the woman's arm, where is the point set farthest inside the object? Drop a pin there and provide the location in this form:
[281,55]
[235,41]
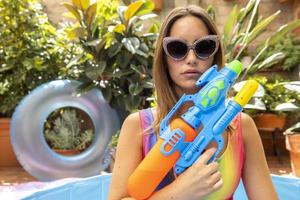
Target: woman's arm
[256,175]
[128,156]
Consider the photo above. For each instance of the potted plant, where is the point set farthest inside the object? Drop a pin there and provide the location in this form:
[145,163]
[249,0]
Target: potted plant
[289,46]
[32,52]
[120,49]
[277,100]
[292,141]
[65,134]
[241,29]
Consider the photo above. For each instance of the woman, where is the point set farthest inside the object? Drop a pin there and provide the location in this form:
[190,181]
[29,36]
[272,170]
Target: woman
[187,46]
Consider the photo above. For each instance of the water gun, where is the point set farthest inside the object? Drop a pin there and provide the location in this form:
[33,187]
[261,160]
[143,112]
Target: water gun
[179,142]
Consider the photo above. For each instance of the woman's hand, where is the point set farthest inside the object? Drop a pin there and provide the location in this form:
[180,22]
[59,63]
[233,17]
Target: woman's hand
[200,179]
[195,183]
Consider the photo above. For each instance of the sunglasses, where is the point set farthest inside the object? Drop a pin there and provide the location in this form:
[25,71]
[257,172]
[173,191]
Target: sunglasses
[204,48]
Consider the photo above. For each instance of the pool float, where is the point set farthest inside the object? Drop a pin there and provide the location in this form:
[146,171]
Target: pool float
[27,127]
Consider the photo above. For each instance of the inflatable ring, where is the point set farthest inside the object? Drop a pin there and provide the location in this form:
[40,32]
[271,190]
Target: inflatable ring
[27,127]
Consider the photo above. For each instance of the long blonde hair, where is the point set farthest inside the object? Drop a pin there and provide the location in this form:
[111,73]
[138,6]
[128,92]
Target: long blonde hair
[164,91]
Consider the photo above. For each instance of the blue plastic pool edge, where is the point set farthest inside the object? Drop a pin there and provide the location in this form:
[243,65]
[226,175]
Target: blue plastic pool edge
[287,188]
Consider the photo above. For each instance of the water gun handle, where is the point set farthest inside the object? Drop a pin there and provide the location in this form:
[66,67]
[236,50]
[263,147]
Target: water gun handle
[156,165]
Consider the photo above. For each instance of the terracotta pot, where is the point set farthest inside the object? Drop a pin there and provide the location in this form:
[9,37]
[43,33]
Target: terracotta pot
[7,155]
[67,152]
[269,121]
[292,142]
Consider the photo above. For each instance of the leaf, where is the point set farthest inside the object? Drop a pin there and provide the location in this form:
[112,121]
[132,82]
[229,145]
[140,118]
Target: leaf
[135,88]
[141,53]
[114,49]
[132,102]
[74,61]
[90,14]
[123,59]
[261,26]
[85,4]
[131,44]
[72,9]
[79,32]
[251,21]
[148,16]
[132,9]
[84,87]
[121,10]
[120,28]
[287,28]
[95,72]
[150,36]
[270,61]
[81,4]
[146,8]
[245,11]
[94,42]
[229,24]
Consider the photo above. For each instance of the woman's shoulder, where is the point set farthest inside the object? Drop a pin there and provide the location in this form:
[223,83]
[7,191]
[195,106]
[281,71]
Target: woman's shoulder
[130,134]
[248,128]
[132,120]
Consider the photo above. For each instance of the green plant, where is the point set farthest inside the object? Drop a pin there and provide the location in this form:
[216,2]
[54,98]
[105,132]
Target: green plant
[32,52]
[114,140]
[119,48]
[277,98]
[243,27]
[63,131]
[287,45]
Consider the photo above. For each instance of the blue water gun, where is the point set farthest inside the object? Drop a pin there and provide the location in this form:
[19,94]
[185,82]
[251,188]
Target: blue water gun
[182,140]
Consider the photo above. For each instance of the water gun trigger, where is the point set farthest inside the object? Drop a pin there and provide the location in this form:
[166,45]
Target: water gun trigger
[220,143]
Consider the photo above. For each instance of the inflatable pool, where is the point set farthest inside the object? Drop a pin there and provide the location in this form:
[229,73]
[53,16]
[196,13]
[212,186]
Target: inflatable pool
[96,188]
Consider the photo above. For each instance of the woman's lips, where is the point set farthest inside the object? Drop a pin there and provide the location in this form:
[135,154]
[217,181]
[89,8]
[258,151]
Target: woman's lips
[191,74]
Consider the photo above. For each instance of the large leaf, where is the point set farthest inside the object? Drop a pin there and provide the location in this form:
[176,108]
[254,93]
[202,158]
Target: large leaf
[84,87]
[287,28]
[146,8]
[94,72]
[81,4]
[148,16]
[119,28]
[261,26]
[286,107]
[135,88]
[132,102]
[132,9]
[251,20]
[72,9]
[123,59]
[131,44]
[270,61]
[90,14]
[229,25]
[244,12]
[121,10]
[79,32]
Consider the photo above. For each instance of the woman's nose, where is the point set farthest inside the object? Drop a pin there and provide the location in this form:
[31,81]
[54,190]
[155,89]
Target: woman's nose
[191,58]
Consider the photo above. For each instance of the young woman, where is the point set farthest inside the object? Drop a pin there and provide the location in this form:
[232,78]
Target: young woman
[187,46]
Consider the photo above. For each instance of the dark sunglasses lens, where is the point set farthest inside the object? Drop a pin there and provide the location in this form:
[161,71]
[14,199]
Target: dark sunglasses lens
[205,48]
[177,49]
